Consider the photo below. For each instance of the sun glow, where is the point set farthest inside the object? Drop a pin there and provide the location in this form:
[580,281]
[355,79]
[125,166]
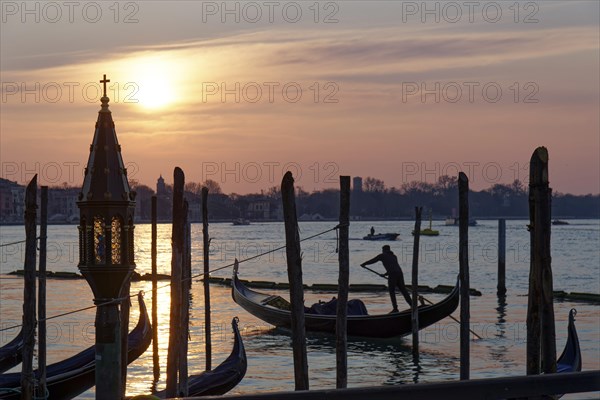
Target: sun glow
[153,81]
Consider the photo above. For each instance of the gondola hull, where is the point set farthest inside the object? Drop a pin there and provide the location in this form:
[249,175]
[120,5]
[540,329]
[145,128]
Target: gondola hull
[224,377]
[373,326]
[10,353]
[570,359]
[68,378]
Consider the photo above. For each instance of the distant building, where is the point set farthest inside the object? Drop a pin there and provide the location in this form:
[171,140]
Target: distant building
[12,201]
[164,206]
[62,204]
[161,188]
[259,209]
[356,202]
[357,184]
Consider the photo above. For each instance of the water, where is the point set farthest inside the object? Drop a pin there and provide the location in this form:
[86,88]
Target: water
[501,352]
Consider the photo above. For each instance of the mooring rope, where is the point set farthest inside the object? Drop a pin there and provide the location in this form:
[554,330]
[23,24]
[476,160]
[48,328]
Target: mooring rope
[13,243]
[117,300]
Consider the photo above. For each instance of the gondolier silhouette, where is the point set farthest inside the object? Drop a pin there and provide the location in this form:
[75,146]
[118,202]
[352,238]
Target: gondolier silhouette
[393,273]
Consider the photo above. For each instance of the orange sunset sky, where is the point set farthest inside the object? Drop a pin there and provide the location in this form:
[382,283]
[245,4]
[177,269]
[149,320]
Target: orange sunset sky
[238,92]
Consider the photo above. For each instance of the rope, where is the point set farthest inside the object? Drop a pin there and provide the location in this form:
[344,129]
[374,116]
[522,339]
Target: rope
[12,243]
[20,241]
[335,228]
[118,300]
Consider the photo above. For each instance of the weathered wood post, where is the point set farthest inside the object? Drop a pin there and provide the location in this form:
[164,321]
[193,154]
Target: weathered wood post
[124,316]
[415,286]
[177,238]
[153,254]
[294,267]
[463,257]
[27,378]
[501,288]
[341,344]
[41,387]
[186,279]
[541,334]
[206,276]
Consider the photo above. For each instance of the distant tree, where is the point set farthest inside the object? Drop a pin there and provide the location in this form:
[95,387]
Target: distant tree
[193,187]
[274,193]
[518,188]
[446,183]
[373,185]
[300,192]
[212,186]
[417,187]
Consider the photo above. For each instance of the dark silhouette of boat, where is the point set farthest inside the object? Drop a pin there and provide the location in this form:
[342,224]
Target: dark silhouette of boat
[381,236]
[570,359]
[10,353]
[559,222]
[428,231]
[68,378]
[374,326]
[453,221]
[224,377]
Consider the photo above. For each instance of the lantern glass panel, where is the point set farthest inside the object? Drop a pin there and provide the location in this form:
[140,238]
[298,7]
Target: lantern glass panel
[99,241]
[115,228]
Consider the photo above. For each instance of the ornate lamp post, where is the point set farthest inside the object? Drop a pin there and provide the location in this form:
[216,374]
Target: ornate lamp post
[106,206]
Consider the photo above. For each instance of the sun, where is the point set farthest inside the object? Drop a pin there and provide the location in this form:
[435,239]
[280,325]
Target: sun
[151,78]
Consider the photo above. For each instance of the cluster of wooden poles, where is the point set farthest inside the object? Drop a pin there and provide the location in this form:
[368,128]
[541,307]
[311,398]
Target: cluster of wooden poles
[541,347]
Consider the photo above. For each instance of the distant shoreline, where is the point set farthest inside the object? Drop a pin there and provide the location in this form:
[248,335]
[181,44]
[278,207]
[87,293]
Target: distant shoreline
[228,221]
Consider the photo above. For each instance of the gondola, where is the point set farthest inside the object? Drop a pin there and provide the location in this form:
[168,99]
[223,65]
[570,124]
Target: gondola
[224,377]
[570,359]
[382,236]
[10,353]
[373,326]
[68,378]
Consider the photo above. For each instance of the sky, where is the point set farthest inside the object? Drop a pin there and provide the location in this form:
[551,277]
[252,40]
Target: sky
[241,92]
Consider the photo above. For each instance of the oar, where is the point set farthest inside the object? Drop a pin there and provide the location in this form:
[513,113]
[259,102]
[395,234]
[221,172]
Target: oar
[375,272]
[427,300]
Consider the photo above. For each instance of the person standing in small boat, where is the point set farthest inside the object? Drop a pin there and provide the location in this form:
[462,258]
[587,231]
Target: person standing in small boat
[372,231]
[393,274]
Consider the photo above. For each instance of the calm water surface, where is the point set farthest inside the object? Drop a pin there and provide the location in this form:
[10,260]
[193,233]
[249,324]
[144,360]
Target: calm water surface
[575,263]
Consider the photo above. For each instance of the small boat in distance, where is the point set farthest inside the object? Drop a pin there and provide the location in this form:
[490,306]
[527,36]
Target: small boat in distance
[241,221]
[428,231]
[272,309]
[559,222]
[381,236]
[453,221]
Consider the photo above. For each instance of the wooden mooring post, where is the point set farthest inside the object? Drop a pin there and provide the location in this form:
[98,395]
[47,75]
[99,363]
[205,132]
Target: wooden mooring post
[205,253]
[41,386]
[415,286]
[153,254]
[186,285]
[29,316]
[501,288]
[463,258]
[124,333]
[294,267]
[541,334]
[341,334]
[178,243]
